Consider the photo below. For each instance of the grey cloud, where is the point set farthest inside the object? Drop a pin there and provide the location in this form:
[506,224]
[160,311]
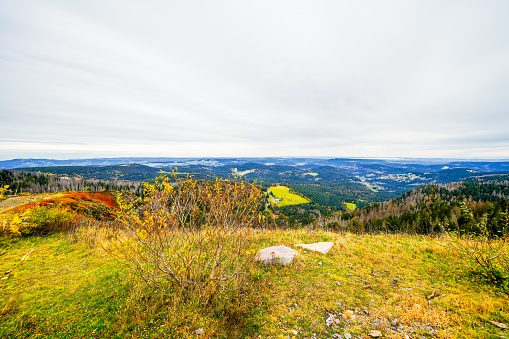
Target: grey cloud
[331,78]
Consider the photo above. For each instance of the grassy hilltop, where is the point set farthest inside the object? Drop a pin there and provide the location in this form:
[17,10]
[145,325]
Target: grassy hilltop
[71,286]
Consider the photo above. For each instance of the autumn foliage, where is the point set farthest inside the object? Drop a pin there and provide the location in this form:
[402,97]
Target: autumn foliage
[190,236]
[58,213]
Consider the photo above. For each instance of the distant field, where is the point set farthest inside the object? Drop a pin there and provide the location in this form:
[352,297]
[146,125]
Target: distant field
[312,174]
[245,172]
[286,197]
[350,206]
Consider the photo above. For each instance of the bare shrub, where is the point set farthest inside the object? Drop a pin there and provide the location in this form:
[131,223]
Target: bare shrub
[190,236]
[488,253]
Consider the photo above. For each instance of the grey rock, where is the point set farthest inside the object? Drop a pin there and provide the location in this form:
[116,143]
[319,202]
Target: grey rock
[198,331]
[276,255]
[347,336]
[322,247]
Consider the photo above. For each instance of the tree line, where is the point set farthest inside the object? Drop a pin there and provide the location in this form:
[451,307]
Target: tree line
[34,183]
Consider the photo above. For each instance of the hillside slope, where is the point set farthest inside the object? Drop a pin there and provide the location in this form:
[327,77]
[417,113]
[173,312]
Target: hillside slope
[366,283]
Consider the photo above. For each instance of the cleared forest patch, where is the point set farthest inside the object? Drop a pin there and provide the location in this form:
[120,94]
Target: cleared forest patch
[283,196]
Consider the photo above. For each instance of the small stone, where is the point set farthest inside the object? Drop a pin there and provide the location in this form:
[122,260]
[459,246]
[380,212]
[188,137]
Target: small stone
[337,283]
[394,323]
[348,336]
[295,332]
[336,321]
[366,312]
[336,336]
[320,263]
[499,325]
[348,314]
[338,303]
[375,334]
[330,320]
[198,331]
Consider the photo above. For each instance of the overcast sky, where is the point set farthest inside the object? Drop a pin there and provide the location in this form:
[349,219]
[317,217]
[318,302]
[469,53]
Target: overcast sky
[254,78]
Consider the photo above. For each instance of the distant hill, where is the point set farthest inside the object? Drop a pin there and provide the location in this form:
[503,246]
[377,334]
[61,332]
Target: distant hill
[132,172]
[452,175]
[381,178]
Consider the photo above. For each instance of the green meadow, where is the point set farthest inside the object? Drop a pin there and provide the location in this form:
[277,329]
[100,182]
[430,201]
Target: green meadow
[285,196]
[350,206]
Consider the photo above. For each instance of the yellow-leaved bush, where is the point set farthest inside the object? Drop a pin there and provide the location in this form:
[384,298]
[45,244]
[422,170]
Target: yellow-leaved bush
[188,235]
[38,220]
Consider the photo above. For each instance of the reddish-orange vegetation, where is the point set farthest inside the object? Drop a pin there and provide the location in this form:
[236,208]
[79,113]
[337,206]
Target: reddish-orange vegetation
[105,198]
[101,205]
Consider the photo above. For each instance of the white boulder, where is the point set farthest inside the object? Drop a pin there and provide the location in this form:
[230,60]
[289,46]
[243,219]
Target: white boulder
[276,255]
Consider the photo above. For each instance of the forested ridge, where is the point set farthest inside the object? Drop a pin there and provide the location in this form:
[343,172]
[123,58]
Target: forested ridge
[424,210]
[433,209]
[25,182]
[132,172]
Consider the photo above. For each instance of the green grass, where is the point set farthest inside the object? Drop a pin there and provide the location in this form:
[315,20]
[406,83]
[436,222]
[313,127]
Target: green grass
[60,289]
[350,206]
[286,197]
[69,290]
[312,174]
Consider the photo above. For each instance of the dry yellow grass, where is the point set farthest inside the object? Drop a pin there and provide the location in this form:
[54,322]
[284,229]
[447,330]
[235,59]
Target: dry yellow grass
[385,280]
